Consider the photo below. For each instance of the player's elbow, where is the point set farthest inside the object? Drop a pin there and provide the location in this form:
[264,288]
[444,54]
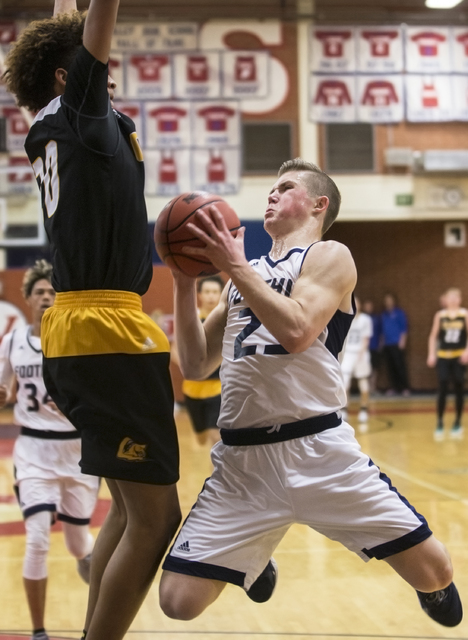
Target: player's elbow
[296,341]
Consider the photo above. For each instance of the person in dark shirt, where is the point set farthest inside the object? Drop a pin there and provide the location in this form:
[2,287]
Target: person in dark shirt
[394,335]
[106,364]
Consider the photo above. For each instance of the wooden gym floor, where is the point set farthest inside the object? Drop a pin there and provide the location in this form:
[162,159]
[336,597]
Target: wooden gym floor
[324,591]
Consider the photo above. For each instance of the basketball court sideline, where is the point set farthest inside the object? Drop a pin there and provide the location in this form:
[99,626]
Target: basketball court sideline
[324,591]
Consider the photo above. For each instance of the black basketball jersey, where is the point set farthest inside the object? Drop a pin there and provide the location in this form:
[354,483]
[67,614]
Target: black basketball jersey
[89,168]
[452,335]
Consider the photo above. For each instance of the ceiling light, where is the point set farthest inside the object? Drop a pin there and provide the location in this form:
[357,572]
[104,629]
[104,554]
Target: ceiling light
[442,4]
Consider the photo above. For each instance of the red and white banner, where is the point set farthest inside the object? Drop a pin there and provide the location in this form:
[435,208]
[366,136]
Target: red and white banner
[167,124]
[380,98]
[167,172]
[460,49]
[245,74]
[460,96]
[133,110]
[216,124]
[216,170]
[155,36]
[428,49]
[17,127]
[333,98]
[429,98]
[8,32]
[197,75]
[149,76]
[332,49]
[380,49]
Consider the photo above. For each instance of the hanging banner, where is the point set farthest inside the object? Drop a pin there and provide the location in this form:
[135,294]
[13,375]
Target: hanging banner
[149,76]
[380,49]
[16,127]
[332,99]
[197,75]
[332,49]
[154,36]
[216,124]
[380,98]
[216,170]
[429,98]
[167,172]
[460,97]
[427,49]
[460,49]
[245,74]
[167,124]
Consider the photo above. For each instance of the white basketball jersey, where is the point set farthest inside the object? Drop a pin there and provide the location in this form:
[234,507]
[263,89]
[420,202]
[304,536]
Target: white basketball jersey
[361,329]
[263,384]
[21,358]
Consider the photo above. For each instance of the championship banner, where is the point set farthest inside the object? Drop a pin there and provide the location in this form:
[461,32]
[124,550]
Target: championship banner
[149,76]
[429,98]
[155,36]
[116,72]
[460,97]
[460,49]
[380,98]
[197,75]
[133,110]
[21,182]
[332,98]
[332,49]
[216,170]
[427,49]
[245,74]
[167,172]
[216,124]
[380,49]
[16,127]
[167,124]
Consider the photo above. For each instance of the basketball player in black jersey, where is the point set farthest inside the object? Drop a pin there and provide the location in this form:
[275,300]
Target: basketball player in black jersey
[106,364]
[448,353]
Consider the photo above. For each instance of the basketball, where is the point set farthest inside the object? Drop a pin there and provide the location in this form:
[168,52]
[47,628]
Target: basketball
[171,234]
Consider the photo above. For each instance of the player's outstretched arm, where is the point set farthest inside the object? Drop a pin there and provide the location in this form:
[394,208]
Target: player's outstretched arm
[198,345]
[99,27]
[64,6]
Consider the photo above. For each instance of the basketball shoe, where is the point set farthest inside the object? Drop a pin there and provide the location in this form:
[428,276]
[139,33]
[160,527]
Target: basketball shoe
[83,567]
[443,606]
[40,635]
[264,586]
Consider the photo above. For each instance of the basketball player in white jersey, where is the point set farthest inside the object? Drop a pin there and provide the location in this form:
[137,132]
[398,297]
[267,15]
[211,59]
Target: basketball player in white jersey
[286,456]
[356,360]
[49,484]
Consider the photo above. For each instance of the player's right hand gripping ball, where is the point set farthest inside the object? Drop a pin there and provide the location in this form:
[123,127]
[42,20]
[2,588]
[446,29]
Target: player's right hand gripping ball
[171,233]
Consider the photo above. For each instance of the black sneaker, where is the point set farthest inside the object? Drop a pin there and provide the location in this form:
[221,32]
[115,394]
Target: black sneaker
[263,587]
[443,606]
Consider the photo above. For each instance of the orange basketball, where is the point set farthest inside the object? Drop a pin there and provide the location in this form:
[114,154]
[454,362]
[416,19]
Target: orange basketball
[171,234]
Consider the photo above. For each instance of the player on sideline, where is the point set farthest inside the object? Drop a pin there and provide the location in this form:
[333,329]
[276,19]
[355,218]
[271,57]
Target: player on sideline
[203,397]
[448,352]
[356,361]
[286,456]
[106,363]
[48,484]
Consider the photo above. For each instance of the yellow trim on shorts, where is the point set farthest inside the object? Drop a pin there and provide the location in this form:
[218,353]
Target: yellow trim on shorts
[446,354]
[99,322]
[201,389]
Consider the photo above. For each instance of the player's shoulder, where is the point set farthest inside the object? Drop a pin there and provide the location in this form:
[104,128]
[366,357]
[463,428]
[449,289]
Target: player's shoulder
[330,250]
[331,257]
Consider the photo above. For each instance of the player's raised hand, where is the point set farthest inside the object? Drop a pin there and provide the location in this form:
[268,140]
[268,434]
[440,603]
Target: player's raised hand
[221,248]
[3,395]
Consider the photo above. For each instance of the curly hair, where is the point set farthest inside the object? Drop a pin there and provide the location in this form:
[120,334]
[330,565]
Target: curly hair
[42,270]
[42,48]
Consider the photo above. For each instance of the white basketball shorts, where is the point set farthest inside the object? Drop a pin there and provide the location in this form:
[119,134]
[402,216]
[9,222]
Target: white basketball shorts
[257,492]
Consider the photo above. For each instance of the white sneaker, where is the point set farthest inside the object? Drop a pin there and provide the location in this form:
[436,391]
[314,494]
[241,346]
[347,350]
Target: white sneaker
[439,434]
[456,432]
[363,416]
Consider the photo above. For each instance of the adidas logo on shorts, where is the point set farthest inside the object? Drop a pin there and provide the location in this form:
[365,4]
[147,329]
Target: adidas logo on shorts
[148,344]
[185,546]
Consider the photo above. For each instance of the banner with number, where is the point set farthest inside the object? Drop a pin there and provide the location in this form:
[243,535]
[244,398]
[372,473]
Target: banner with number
[333,98]
[216,123]
[427,49]
[197,75]
[167,124]
[167,172]
[333,49]
[379,49]
[429,98]
[149,76]
[245,74]
[216,170]
[380,98]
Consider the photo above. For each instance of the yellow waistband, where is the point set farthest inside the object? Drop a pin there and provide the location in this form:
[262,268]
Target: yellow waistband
[99,298]
[446,354]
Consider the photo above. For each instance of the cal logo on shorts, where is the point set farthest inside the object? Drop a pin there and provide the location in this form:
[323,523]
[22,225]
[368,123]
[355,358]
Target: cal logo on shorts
[136,146]
[131,451]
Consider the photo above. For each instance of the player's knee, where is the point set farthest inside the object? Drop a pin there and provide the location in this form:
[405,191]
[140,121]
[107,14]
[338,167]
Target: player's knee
[178,600]
[78,540]
[363,385]
[37,546]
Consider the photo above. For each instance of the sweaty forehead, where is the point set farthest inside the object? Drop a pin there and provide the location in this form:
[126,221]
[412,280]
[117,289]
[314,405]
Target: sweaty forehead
[297,177]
